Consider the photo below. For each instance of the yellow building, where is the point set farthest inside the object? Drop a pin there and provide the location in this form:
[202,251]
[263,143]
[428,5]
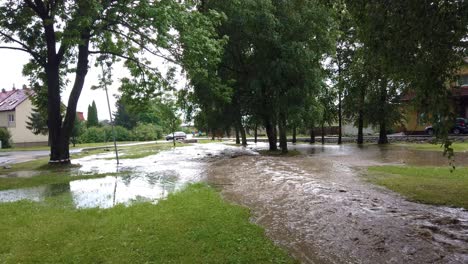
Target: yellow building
[15,110]
[459,102]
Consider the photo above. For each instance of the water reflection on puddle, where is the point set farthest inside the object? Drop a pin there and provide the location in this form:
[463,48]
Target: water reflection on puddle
[146,179]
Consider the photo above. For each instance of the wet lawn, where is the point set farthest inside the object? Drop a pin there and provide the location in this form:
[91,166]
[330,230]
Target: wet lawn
[38,172]
[457,146]
[433,185]
[192,226]
[141,151]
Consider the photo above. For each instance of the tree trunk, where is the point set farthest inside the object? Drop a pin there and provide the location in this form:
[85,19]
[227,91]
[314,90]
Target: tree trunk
[312,135]
[271,134]
[360,138]
[294,139]
[323,134]
[340,119]
[382,115]
[213,134]
[256,133]
[60,133]
[243,135]
[282,134]
[242,131]
[237,135]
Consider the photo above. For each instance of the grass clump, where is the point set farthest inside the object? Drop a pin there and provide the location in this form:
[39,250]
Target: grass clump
[192,226]
[433,185]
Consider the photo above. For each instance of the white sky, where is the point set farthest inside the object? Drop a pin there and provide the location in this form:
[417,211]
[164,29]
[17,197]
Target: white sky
[11,65]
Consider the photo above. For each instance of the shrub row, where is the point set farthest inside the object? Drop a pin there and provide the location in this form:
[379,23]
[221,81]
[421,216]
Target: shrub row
[142,132]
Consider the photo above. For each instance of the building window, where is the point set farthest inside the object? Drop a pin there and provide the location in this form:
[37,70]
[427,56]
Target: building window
[463,80]
[11,118]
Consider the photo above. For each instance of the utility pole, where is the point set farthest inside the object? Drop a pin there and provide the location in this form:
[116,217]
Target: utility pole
[104,80]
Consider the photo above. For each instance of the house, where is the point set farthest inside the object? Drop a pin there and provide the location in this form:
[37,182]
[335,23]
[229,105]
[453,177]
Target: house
[15,110]
[458,101]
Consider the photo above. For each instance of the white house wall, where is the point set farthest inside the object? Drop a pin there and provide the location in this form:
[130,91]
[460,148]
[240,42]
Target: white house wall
[20,134]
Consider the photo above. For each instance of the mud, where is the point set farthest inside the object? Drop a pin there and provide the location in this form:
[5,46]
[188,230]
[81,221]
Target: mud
[320,208]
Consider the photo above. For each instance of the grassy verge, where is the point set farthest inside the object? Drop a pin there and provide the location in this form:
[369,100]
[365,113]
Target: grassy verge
[42,173]
[141,151]
[54,177]
[192,226]
[457,146]
[433,185]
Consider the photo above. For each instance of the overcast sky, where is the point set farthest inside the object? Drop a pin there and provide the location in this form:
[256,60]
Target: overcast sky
[11,65]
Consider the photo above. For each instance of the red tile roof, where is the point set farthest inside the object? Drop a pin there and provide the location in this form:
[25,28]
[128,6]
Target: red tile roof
[80,116]
[9,100]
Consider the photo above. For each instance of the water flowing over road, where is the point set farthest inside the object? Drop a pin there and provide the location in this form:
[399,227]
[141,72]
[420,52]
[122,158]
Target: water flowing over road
[321,209]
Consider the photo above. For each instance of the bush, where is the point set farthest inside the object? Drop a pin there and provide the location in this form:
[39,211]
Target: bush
[93,135]
[145,132]
[121,134]
[5,137]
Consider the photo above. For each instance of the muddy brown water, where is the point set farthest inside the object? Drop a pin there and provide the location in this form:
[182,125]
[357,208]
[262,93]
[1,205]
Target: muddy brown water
[320,208]
[316,205]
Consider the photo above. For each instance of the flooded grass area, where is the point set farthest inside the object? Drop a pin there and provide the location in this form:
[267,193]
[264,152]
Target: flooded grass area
[191,226]
[432,185]
[457,146]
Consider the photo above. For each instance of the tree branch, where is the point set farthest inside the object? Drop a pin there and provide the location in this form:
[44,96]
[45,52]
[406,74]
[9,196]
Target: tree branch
[25,48]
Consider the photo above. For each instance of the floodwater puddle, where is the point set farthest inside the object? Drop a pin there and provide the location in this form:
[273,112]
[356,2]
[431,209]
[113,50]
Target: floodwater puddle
[145,179]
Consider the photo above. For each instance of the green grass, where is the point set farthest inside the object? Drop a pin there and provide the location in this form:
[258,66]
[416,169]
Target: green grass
[192,226]
[141,151]
[457,146]
[433,185]
[49,177]
[47,174]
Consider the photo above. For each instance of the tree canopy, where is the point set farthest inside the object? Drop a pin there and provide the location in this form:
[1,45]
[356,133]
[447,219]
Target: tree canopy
[62,37]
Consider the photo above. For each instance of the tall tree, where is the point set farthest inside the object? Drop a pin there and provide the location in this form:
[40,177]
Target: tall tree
[61,36]
[421,43]
[92,119]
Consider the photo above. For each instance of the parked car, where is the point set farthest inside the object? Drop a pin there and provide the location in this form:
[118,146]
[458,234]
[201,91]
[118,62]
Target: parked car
[460,127]
[177,135]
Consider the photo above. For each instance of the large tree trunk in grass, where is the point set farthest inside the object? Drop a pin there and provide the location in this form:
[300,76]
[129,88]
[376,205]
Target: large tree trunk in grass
[382,115]
[256,133]
[271,134]
[282,134]
[312,135]
[323,134]
[243,135]
[383,139]
[360,137]
[237,135]
[340,119]
[60,132]
[242,131]
[294,139]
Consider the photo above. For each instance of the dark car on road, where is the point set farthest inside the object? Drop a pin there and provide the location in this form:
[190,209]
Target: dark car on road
[460,127]
[177,136]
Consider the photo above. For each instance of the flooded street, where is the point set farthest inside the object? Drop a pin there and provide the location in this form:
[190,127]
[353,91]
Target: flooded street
[317,205]
[321,209]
